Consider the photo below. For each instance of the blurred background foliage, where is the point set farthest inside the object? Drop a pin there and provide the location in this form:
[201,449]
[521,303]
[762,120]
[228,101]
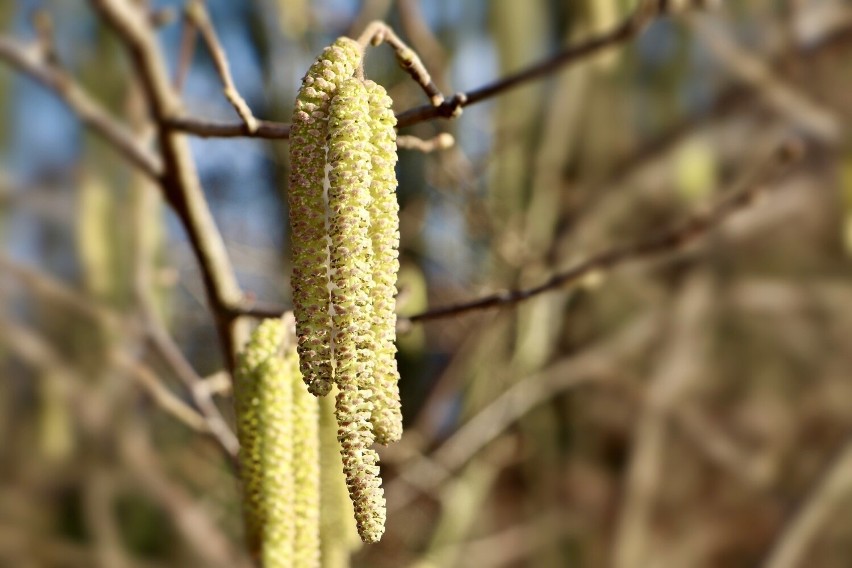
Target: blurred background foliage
[674,413]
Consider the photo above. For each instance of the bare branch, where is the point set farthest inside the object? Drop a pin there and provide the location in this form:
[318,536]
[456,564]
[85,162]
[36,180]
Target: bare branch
[831,490]
[377,33]
[598,365]
[32,63]
[665,242]
[442,141]
[54,291]
[162,396]
[786,99]
[201,396]
[676,372]
[190,516]
[179,180]
[196,12]
[216,129]
[448,108]
[188,36]
[36,351]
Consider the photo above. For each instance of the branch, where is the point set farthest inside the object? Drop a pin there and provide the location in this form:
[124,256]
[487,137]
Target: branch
[218,129]
[627,30]
[32,63]
[34,350]
[449,108]
[196,12]
[179,181]
[833,487]
[55,291]
[662,243]
[665,242]
[162,396]
[379,32]
[677,369]
[201,396]
[785,98]
[599,365]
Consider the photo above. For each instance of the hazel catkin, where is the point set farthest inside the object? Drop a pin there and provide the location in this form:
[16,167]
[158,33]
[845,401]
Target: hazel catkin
[307,205]
[278,428]
[384,235]
[351,252]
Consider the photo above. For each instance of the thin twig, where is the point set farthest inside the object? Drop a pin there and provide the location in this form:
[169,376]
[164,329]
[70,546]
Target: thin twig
[823,500]
[196,12]
[218,129]
[448,108]
[161,395]
[189,33]
[676,371]
[413,23]
[662,243]
[665,242]
[32,63]
[597,365]
[785,98]
[442,141]
[201,396]
[379,32]
[54,291]
[34,350]
[189,515]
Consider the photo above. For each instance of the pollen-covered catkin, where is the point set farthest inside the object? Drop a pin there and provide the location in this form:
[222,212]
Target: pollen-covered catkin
[263,404]
[351,251]
[384,234]
[278,427]
[308,209]
[306,469]
[349,239]
[338,539]
[360,461]
[278,487]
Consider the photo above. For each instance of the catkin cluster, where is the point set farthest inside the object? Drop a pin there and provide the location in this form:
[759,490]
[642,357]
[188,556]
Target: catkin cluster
[345,237]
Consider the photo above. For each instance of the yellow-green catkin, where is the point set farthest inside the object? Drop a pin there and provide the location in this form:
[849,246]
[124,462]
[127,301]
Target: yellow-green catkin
[360,461]
[338,536]
[350,246]
[308,209]
[384,234]
[257,374]
[277,424]
[275,410]
[349,150]
[306,470]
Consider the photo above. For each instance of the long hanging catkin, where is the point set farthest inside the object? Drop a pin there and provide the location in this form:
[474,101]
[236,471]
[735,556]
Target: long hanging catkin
[339,538]
[278,428]
[351,278]
[384,234]
[306,469]
[308,210]
[263,405]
